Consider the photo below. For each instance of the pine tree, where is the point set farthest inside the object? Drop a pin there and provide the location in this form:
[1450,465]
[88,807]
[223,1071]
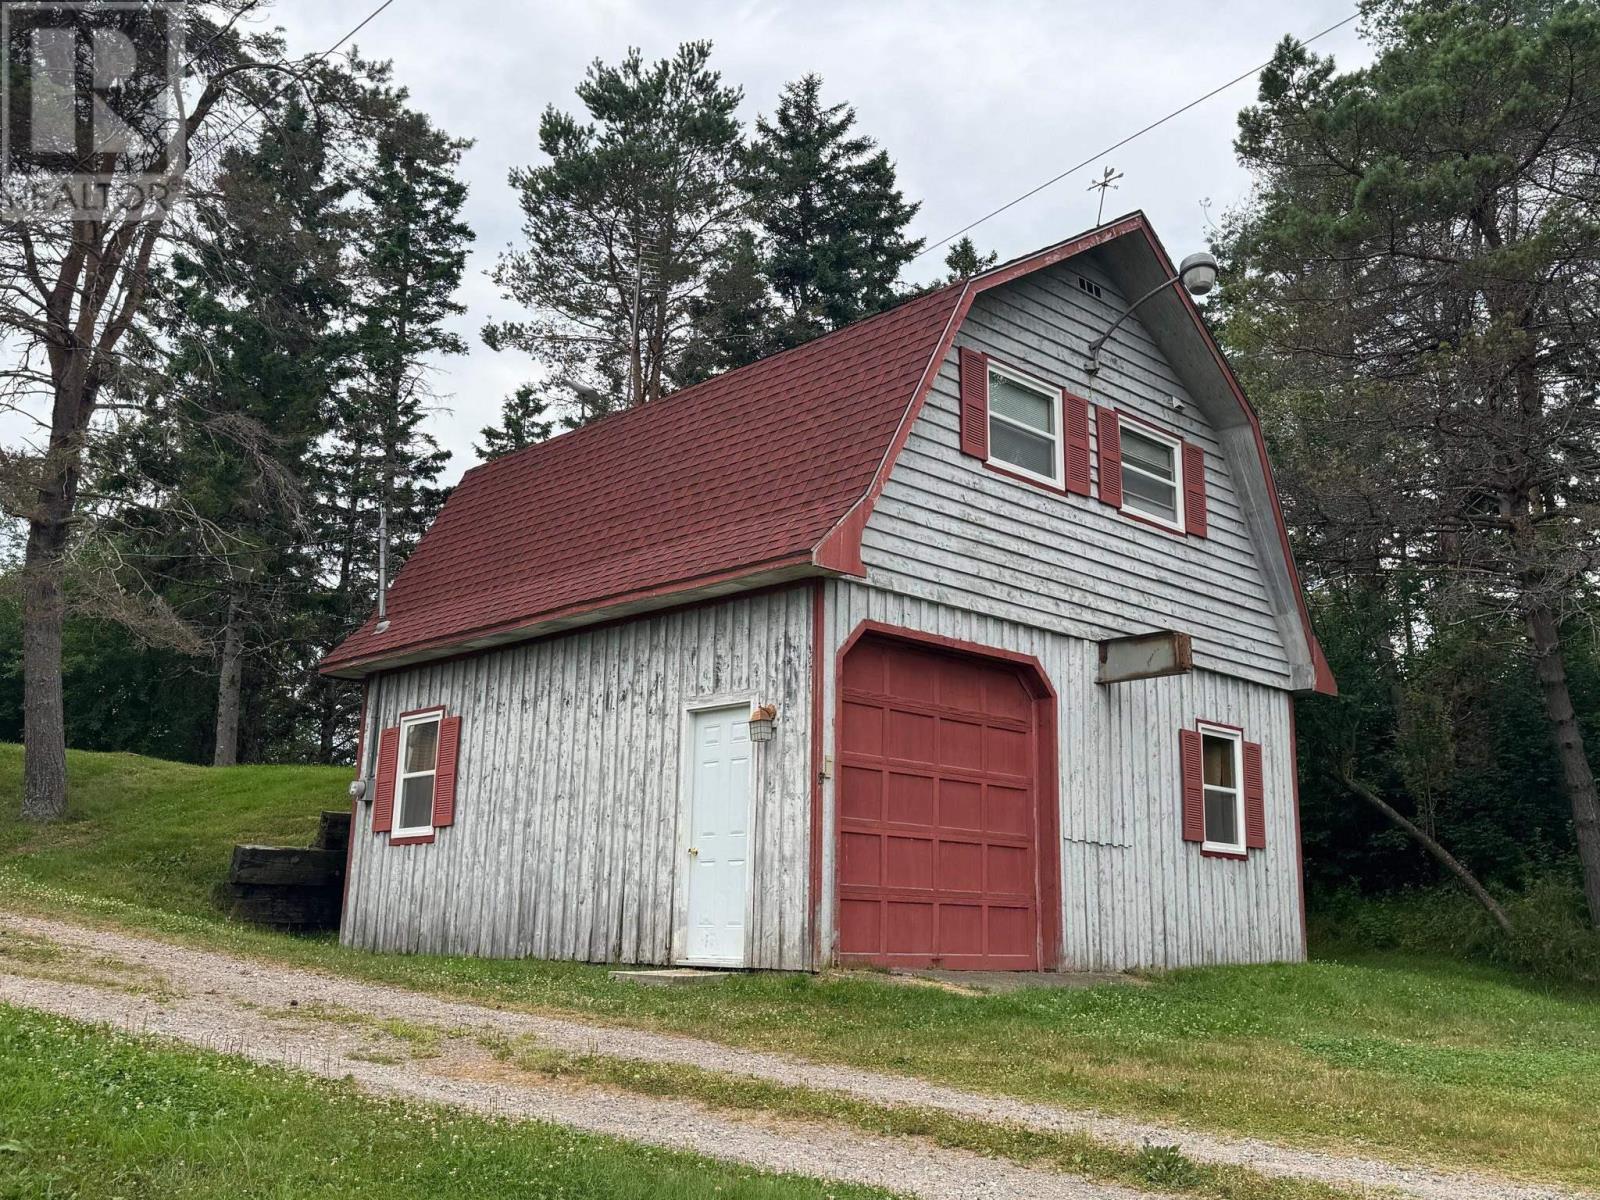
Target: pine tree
[831,216]
[624,224]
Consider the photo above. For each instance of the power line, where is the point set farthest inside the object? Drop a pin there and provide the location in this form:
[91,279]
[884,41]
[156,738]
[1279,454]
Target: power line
[1098,155]
[365,21]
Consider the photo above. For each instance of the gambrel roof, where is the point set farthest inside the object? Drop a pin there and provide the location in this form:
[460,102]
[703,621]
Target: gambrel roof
[756,477]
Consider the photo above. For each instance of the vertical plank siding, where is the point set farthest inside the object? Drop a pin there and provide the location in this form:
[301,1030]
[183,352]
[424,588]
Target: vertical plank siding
[946,528]
[566,835]
[1133,892]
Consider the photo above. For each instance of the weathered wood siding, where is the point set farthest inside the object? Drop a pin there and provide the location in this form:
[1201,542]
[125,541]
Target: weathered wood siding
[567,815]
[1133,892]
[948,529]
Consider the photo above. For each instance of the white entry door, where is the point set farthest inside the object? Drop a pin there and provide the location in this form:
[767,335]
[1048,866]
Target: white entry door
[718,853]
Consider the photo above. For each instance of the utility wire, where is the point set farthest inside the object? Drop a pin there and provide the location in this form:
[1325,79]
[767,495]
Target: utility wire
[1093,158]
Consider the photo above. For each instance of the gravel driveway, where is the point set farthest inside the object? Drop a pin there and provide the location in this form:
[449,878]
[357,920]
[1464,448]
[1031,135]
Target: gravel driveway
[237,1006]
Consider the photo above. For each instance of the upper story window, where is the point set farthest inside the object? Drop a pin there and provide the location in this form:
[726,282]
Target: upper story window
[419,768]
[1024,425]
[1223,778]
[1152,475]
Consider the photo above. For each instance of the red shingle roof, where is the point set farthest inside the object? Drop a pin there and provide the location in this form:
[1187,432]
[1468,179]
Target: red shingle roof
[745,473]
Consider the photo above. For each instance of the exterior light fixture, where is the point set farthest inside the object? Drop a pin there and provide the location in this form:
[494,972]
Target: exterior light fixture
[1197,273]
[763,722]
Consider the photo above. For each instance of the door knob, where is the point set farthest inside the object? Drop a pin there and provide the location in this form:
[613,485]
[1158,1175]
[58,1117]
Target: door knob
[693,852]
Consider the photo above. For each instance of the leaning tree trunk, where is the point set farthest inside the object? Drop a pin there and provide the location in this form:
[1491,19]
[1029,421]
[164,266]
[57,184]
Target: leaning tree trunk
[1447,860]
[44,729]
[227,750]
[1576,776]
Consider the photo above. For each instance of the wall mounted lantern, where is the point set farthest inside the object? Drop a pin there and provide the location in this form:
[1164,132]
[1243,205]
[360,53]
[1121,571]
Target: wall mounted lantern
[763,722]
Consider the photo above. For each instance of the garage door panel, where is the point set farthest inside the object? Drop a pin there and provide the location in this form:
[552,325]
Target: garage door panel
[860,859]
[910,736]
[861,794]
[961,867]
[908,863]
[1007,810]
[863,729]
[910,799]
[960,745]
[1010,870]
[960,804]
[908,927]
[937,820]
[1008,752]
[961,928]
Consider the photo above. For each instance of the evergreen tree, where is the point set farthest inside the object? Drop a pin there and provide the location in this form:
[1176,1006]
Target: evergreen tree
[624,224]
[1414,295]
[214,477]
[963,261]
[409,247]
[525,420]
[831,216]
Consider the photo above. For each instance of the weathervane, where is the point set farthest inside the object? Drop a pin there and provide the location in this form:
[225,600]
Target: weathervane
[1107,181]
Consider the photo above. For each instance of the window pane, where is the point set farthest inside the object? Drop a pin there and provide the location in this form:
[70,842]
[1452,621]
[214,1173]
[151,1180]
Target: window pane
[416,803]
[1219,762]
[1147,495]
[1022,449]
[422,744]
[1011,399]
[1222,817]
[1153,456]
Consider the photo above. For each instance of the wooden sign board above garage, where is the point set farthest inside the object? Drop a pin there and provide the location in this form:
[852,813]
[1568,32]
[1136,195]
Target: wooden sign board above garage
[1145,656]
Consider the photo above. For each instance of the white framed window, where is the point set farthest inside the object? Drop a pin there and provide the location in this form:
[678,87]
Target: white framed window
[1222,776]
[1152,475]
[418,771]
[1024,425]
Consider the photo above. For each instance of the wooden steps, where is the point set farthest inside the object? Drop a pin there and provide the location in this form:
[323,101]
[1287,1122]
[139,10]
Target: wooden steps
[292,887]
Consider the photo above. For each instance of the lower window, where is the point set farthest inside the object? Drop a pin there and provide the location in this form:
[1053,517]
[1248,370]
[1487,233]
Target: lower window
[419,768]
[1221,754]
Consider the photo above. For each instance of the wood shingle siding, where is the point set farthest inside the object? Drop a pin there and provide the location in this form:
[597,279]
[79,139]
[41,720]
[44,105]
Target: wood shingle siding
[565,839]
[946,529]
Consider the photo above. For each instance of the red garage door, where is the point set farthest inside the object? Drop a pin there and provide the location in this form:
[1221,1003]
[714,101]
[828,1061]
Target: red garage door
[938,815]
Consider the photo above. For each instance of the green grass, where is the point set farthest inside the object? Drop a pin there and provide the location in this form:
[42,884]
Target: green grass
[1398,1055]
[1149,1166]
[87,1114]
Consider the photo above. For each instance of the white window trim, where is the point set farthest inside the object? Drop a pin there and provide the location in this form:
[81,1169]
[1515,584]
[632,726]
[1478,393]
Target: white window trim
[1053,394]
[407,724]
[1237,739]
[1175,444]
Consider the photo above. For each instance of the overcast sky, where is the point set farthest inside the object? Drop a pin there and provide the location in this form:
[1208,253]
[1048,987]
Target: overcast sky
[976,102]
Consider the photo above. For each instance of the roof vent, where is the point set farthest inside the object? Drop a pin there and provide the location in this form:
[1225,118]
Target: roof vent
[1092,288]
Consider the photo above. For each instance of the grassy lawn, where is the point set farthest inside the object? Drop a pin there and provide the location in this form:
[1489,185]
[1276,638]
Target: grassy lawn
[1403,1057]
[88,1114]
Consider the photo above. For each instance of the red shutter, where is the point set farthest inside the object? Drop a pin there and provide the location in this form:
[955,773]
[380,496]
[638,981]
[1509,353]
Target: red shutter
[1194,795]
[1194,490]
[1255,799]
[974,403]
[444,780]
[1108,429]
[383,798]
[1076,417]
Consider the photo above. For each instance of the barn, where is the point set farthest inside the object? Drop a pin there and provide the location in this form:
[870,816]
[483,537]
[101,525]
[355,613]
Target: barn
[939,641]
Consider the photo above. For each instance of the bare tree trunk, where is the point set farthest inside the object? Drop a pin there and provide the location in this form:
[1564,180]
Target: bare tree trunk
[1448,860]
[1577,778]
[44,730]
[227,750]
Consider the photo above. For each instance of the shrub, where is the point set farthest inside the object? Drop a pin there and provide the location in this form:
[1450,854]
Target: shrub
[1550,936]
